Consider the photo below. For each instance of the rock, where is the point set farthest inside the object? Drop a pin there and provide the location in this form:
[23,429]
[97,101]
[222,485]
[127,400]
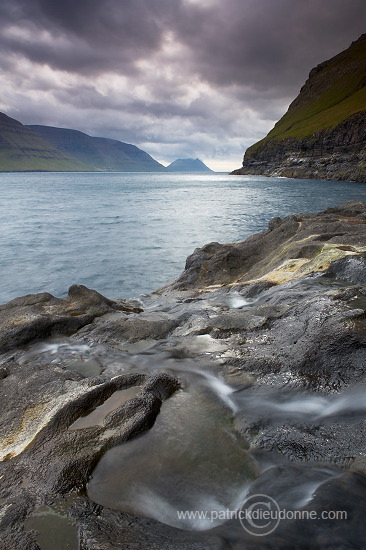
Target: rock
[162,386]
[43,456]
[106,529]
[123,331]
[237,321]
[351,269]
[289,249]
[38,316]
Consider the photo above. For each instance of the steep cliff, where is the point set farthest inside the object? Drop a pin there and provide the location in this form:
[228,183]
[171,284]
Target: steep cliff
[22,150]
[323,133]
[102,153]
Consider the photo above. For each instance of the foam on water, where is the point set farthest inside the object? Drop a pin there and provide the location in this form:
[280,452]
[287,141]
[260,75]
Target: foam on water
[59,347]
[302,406]
[79,358]
[190,373]
[223,391]
[237,301]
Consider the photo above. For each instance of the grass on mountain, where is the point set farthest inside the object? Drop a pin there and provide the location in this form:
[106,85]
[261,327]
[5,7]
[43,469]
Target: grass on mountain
[9,162]
[23,150]
[344,94]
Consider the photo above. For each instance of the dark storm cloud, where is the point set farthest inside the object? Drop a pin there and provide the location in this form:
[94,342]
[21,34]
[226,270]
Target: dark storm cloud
[86,36]
[265,43]
[256,43]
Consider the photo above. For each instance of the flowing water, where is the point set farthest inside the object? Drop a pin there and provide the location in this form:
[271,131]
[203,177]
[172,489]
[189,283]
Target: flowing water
[195,457]
[124,234]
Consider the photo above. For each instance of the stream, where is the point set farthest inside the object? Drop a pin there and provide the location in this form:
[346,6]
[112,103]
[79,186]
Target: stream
[194,466]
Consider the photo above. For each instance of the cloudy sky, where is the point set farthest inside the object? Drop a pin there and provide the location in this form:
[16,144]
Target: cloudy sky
[178,78]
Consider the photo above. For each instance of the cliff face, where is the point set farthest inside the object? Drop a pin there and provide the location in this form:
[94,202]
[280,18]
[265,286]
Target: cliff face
[100,153]
[323,133]
[21,149]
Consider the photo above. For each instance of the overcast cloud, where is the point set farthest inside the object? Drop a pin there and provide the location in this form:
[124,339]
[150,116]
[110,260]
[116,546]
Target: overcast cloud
[178,78]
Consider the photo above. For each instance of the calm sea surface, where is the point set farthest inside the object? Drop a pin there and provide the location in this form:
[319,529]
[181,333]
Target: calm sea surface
[124,234]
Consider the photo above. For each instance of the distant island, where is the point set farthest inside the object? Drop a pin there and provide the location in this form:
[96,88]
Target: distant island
[188,165]
[323,133]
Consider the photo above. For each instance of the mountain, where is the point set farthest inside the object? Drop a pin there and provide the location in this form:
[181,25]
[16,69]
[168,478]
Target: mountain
[22,150]
[188,165]
[101,153]
[323,133]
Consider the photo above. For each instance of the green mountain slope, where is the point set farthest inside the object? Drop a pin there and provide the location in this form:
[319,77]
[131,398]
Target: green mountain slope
[322,135]
[188,165]
[101,153]
[21,149]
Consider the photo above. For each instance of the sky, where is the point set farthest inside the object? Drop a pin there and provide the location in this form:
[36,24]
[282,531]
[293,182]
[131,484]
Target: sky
[177,78]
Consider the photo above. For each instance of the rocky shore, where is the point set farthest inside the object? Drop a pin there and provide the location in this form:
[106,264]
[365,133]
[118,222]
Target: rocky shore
[244,376]
[336,154]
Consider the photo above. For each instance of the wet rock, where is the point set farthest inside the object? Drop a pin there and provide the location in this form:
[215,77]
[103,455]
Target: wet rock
[341,526]
[264,256]
[134,328]
[41,315]
[237,321]
[43,457]
[351,269]
[161,385]
[107,529]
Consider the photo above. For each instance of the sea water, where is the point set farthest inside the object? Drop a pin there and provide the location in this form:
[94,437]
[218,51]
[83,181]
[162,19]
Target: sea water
[124,234]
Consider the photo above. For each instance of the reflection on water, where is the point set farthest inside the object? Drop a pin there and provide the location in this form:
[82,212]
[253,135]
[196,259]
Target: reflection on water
[97,416]
[55,529]
[192,457]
